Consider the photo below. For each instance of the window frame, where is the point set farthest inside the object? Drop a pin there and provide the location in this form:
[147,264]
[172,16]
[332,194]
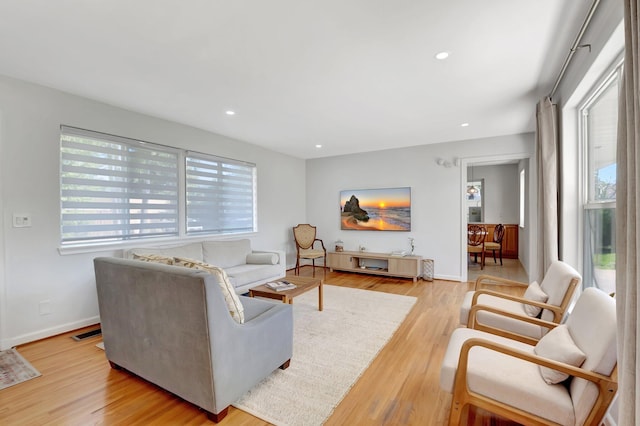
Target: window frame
[587,205]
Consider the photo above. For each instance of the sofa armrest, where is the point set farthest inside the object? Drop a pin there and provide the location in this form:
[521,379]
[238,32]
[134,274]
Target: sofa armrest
[244,354]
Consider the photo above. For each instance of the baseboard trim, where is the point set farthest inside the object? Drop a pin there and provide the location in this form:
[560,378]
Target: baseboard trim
[48,332]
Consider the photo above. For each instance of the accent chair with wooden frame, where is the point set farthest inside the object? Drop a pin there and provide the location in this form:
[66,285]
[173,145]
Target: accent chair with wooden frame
[475,242]
[305,238]
[502,314]
[525,382]
[496,244]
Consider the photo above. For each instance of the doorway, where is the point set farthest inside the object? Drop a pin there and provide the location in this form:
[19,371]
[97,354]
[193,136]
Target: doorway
[499,203]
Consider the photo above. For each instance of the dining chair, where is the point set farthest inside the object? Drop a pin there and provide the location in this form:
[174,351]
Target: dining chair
[305,239]
[496,244]
[475,242]
[568,377]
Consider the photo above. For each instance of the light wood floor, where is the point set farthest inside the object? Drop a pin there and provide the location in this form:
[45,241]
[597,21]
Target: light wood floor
[401,387]
[511,269]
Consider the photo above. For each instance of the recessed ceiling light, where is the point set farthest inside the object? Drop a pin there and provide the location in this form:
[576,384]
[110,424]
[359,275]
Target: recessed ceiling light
[318,146]
[229,112]
[464,125]
[442,55]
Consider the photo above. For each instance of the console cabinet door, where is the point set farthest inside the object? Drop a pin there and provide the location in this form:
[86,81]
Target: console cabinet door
[404,267]
[340,260]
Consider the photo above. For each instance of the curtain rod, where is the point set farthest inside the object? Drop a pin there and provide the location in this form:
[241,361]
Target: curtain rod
[576,45]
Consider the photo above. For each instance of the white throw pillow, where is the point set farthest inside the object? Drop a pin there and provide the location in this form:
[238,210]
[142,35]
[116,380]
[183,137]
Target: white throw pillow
[558,346]
[262,258]
[230,297]
[534,293]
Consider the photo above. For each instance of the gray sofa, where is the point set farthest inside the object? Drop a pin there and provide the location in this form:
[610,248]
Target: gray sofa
[245,267]
[170,325]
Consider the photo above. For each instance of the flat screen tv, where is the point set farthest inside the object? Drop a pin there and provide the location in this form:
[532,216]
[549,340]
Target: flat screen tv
[384,209]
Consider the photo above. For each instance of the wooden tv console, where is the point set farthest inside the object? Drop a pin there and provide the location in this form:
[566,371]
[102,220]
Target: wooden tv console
[375,263]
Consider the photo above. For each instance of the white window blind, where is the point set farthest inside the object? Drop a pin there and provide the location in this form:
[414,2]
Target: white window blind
[220,195]
[113,188]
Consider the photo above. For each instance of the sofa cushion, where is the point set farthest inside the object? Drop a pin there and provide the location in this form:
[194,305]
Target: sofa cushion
[187,251]
[534,293]
[262,258]
[558,346]
[231,298]
[155,258]
[226,253]
[245,274]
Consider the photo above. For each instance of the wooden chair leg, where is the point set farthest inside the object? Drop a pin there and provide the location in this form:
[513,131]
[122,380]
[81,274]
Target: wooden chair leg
[455,413]
[500,255]
[297,268]
[313,265]
[494,257]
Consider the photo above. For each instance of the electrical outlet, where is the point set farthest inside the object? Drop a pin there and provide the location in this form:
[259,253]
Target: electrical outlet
[22,220]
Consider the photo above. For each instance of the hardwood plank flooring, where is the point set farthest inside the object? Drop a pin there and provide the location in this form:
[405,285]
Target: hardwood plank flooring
[401,387]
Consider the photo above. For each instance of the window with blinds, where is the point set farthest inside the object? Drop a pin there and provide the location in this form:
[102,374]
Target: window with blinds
[116,189]
[220,195]
[113,188]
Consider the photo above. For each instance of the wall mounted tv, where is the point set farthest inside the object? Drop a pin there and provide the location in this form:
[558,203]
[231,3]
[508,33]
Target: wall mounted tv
[384,209]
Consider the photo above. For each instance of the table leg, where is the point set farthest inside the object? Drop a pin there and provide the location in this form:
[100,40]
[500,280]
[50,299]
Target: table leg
[320,296]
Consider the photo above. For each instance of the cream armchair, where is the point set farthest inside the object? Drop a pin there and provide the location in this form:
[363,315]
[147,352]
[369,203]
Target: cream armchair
[526,383]
[501,313]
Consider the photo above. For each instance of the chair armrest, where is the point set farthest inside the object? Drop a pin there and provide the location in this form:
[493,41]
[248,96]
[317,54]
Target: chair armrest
[321,243]
[490,279]
[477,294]
[476,325]
[607,385]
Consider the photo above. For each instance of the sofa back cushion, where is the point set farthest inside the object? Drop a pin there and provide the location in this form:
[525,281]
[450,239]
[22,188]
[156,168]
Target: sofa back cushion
[226,253]
[189,251]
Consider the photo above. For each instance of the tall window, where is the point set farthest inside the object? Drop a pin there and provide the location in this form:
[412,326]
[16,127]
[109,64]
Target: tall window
[599,118]
[117,189]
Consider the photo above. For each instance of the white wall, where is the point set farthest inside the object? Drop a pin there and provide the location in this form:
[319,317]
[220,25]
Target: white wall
[32,270]
[436,192]
[500,192]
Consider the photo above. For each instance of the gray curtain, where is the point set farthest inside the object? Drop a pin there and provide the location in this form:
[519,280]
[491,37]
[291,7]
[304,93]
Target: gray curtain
[627,224]
[547,152]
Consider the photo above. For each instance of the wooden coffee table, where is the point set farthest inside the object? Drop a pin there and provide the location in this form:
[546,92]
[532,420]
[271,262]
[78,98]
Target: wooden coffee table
[303,284]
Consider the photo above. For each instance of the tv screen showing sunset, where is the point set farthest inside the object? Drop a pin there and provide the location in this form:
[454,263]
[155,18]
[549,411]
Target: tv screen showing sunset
[385,209]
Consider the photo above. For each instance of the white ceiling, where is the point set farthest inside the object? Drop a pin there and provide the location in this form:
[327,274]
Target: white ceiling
[352,75]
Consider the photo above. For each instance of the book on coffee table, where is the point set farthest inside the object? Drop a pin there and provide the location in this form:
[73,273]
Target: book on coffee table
[281,285]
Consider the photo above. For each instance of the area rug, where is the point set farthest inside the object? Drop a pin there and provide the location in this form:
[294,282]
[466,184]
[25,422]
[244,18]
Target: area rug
[331,349]
[15,369]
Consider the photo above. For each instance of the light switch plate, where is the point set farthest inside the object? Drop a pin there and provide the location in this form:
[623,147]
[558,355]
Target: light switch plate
[22,220]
